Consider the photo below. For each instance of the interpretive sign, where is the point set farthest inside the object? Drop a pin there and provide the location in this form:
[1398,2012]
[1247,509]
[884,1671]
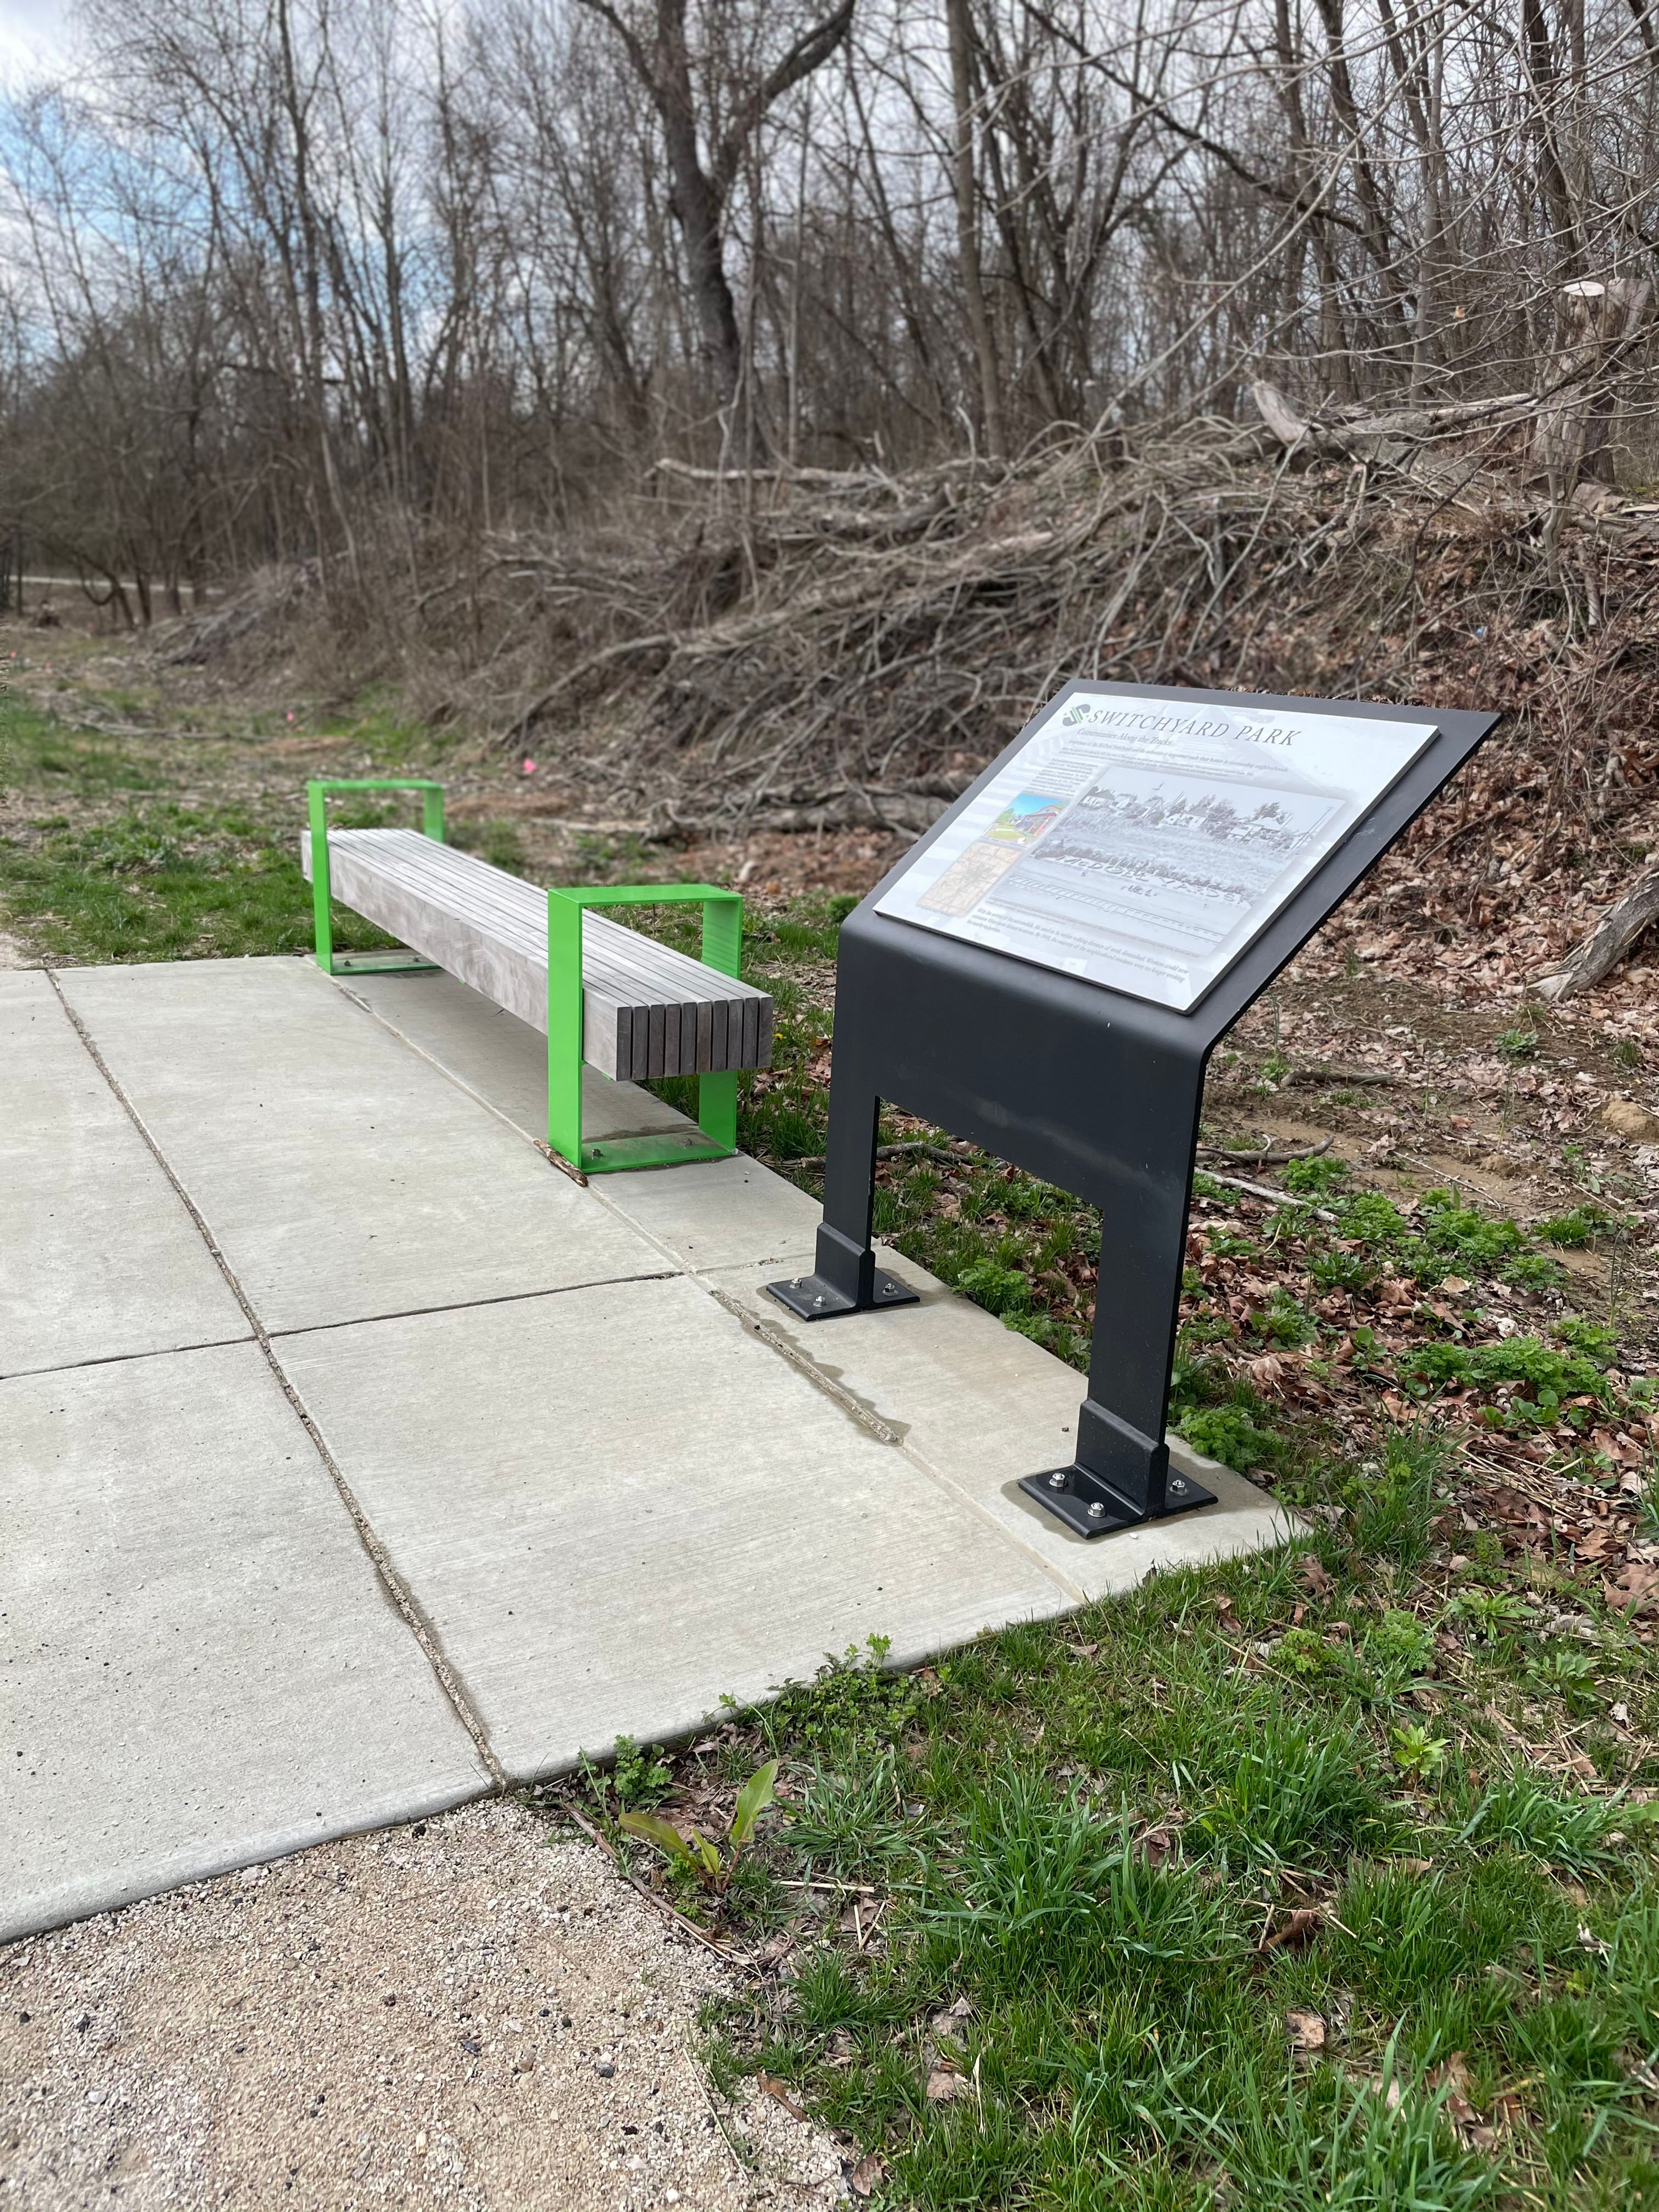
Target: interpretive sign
[1143,845]
[1048,972]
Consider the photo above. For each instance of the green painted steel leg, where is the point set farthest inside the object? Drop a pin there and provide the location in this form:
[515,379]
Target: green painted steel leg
[431,823]
[717,1108]
[722,948]
[564,1028]
[717,1093]
[722,935]
[323,920]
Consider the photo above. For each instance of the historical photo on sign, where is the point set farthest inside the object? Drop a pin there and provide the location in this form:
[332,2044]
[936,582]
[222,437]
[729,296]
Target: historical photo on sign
[1144,842]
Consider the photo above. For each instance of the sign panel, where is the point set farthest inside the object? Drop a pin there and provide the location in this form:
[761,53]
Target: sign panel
[1144,842]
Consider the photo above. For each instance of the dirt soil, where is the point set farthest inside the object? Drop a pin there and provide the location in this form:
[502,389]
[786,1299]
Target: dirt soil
[452,2013]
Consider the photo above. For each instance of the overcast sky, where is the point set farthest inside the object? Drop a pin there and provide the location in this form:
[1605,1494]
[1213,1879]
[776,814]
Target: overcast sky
[31,34]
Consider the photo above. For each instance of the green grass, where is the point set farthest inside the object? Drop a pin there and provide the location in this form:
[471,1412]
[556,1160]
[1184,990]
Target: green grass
[1083,1835]
[162,882]
[110,863]
[56,762]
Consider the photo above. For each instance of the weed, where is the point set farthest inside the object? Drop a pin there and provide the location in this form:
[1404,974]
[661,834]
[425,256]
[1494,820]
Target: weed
[1535,1385]
[1450,1231]
[1487,1554]
[636,1778]
[999,1289]
[1392,1505]
[1340,1268]
[1582,1226]
[691,1852]
[1575,1163]
[1416,1752]
[1491,1615]
[1315,1177]
[1398,1646]
[1531,1271]
[1228,1433]
[1284,1319]
[1593,1338]
[1568,1672]
[1304,1652]
[849,1711]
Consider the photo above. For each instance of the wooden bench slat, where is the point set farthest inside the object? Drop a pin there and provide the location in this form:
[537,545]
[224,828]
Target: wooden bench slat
[647,1010]
[472,891]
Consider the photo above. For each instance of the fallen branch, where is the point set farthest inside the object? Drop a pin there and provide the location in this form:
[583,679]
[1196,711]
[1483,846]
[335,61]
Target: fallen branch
[1343,1075]
[931,1151]
[1607,943]
[779,472]
[910,812]
[1262,1190]
[1247,1159]
[1389,437]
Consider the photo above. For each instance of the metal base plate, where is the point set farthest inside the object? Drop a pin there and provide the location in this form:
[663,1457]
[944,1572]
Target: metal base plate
[1093,1507]
[811,1298]
[390,962]
[672,1149]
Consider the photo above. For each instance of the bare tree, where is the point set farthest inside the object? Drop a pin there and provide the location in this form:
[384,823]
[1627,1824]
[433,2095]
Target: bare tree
[352,282]
[736,103]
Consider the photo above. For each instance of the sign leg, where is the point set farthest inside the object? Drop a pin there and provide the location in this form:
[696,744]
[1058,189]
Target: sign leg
[1122,1473]
[845,1278]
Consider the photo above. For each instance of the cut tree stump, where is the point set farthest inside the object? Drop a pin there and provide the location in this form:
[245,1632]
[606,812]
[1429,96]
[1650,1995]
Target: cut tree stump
[1573,438]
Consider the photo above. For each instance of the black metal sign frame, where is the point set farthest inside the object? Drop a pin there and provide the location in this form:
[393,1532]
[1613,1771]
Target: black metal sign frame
[1083,1085]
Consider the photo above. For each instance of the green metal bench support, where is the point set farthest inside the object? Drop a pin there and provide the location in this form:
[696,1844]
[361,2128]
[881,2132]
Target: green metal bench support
[397,962]
[717,1091]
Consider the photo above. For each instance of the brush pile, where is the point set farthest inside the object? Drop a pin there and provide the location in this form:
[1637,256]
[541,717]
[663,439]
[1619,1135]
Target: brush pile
[816,650]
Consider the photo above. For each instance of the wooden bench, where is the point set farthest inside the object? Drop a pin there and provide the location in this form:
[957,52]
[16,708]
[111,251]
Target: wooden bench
[640,1010]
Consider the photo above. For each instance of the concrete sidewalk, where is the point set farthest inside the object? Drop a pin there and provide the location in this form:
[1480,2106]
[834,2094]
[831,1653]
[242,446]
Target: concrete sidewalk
[357,1461]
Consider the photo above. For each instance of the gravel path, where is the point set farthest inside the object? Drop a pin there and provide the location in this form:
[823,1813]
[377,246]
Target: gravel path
[452,2014]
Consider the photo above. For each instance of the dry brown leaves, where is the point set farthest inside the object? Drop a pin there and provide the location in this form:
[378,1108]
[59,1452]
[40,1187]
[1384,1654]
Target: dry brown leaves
[1307,2031]
[1299,1927]
[1479,2130]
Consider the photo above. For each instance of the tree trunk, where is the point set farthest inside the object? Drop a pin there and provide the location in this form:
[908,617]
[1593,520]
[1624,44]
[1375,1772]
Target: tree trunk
[697,206]
[979,321]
